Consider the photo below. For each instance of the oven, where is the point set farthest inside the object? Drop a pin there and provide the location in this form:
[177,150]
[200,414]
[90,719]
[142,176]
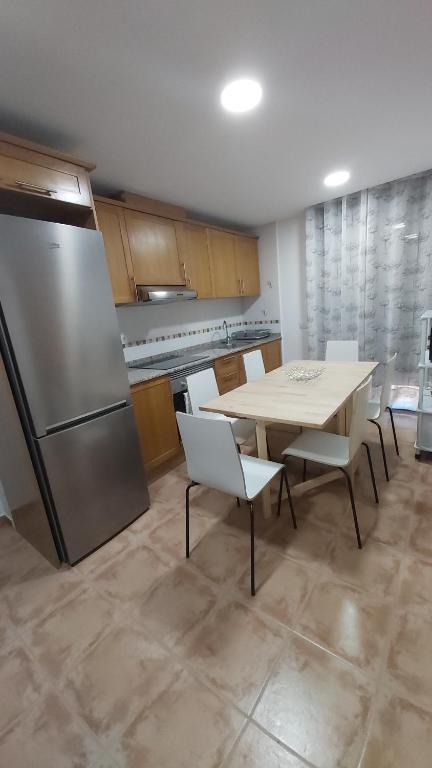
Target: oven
[179,386]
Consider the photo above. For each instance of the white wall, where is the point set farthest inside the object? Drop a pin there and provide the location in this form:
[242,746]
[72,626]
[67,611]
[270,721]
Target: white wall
[283,286]
[266,306]
[291,251]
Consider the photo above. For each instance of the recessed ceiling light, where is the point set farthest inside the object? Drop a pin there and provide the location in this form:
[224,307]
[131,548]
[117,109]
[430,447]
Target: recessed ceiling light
[336,178]
[414,236]
[401,225]
[241,95]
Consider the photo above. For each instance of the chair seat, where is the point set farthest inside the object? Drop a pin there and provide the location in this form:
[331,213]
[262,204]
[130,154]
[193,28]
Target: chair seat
[322,447]
[374,409]
[257,474]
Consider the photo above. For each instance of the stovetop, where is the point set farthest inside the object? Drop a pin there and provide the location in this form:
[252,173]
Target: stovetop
[169,361]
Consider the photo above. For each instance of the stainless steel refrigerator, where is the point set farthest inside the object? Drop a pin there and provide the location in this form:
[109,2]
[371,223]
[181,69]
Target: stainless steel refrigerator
[67,424]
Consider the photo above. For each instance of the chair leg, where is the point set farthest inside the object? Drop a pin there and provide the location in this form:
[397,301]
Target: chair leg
[353,506]
[393,428]
[268,450]
[304,470]
[285,476]
[372,473]
[252,545]
[238,501]
[280,495]
[382,448]
[191,485]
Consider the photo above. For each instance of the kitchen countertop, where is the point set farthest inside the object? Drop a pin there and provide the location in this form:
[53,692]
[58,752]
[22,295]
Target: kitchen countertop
[212,349]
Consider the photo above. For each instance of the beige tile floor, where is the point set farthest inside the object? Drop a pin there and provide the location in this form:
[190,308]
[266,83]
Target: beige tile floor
[137,658]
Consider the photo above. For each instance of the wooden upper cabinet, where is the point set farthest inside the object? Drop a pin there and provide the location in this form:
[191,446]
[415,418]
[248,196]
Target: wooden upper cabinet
[112,225]
[194,258]
[153,248]
[222,263]
[247,265]
[44,174]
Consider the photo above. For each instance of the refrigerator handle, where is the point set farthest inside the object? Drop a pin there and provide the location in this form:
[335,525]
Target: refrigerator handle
[61,425]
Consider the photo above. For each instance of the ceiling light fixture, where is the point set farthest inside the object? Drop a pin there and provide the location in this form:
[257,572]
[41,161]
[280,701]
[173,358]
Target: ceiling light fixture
[414,236]
[336,178]
[401,225]
[241,95]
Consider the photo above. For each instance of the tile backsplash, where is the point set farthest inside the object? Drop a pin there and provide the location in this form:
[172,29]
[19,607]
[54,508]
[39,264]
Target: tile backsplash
[173,326]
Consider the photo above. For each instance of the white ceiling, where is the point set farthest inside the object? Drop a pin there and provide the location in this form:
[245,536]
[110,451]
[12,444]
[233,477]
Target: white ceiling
[133,85]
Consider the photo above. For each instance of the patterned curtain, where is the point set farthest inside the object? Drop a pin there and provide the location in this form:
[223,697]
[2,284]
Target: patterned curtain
[369,271]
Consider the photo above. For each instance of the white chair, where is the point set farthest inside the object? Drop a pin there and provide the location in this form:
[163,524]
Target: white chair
[342,351]
[202,387]
[377,409]
[254,370]
[337,450]
[213,460]
[254,365]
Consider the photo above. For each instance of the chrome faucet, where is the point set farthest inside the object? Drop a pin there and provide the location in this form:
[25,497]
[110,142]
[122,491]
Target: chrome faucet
[225,327]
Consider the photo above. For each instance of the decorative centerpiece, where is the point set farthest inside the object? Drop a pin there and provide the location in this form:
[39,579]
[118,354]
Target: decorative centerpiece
[298,373]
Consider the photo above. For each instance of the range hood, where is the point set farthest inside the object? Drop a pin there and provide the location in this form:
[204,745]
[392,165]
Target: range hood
[162,294]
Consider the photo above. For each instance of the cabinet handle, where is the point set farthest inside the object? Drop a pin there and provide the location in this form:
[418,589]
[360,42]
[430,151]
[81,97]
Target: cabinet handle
[227,360]
[35,187]
[243,288]
[133,286]
[239,285]
[186,279]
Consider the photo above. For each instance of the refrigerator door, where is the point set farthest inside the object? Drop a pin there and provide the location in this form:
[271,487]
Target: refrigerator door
[96,478]
[18,480]
[60,320]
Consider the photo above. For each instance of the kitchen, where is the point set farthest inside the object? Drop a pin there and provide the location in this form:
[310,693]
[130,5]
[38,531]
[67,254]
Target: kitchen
[215,385]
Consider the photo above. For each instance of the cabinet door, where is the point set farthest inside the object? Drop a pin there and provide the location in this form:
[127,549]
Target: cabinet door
[154,252]
[194,258]
[37,174]
[111,224]
[156,421]
[229,373]
[222,263]
[247,265]
[272,356]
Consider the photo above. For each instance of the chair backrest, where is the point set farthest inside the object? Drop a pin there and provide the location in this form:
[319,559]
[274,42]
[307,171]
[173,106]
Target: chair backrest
[342,351]
[388,380]
[359,415]
[202,387]
[212,457]
[254,365]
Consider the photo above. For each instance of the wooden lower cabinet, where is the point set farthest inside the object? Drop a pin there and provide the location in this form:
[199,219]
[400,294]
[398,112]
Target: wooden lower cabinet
[156,421]
[229,372]
[272,355]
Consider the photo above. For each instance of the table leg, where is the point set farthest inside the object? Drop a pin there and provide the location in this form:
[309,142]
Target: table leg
[261,439]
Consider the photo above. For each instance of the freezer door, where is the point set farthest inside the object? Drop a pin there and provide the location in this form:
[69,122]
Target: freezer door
[97,480]
[18,479]
[60,320]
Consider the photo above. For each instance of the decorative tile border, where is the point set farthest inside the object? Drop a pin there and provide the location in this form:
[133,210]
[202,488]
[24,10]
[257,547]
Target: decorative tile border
[198,331]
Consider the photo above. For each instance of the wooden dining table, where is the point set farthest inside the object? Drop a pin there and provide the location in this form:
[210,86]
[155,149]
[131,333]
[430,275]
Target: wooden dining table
[312,404]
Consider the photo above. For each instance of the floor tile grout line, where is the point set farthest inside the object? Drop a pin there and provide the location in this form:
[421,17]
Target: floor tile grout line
[383,667]
[282,744]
